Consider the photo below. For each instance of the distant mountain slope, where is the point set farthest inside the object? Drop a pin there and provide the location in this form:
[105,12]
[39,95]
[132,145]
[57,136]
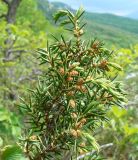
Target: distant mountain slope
[115,30]
[49,8]
[111,35]
[124,23]
[60,5]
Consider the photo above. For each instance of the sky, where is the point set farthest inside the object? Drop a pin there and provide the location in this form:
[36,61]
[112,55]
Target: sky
[118,7]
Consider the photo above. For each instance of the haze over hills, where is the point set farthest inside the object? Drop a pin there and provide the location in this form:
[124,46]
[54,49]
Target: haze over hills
[133,15]
[115,30]
[127,8]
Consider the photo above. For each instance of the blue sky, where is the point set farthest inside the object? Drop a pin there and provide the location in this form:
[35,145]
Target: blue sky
[118,7]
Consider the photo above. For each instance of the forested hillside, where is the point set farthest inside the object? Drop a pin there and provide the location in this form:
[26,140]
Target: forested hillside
[33,47]
[116,30]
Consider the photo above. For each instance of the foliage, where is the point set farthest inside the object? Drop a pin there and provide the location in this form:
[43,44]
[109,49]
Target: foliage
[17,69]
[72,97]
[123,126]
[123,133]
[19,72]
[12,153]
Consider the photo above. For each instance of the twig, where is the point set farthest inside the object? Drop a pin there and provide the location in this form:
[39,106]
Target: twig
[6,1]
[94,151]
[3,16]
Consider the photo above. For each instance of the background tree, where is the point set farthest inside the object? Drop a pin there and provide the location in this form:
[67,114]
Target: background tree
[12,9]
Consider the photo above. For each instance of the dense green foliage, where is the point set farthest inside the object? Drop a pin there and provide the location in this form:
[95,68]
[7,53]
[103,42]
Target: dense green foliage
[72,97]
[17,68]
[19,71]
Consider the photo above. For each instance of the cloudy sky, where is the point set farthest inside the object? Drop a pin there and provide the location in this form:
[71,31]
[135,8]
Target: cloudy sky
[118,7]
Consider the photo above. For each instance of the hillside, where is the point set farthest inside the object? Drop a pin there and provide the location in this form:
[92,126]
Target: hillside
[116,30]
[124,23]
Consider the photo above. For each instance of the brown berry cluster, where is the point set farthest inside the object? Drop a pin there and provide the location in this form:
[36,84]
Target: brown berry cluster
[104,65]
[95,48]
